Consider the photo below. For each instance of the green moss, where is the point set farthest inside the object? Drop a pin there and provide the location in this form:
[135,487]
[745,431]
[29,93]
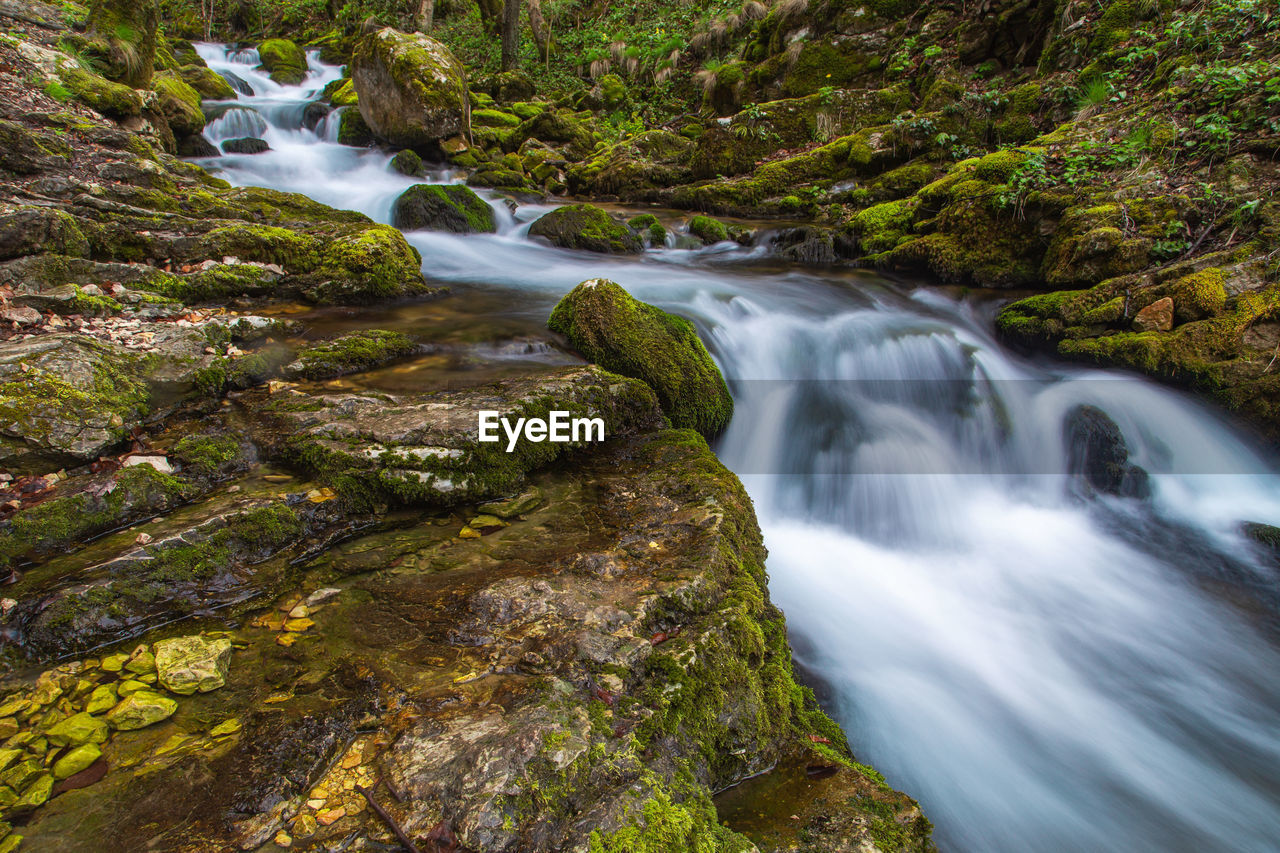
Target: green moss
[207,455]
[352,129]
[114,100]
[1199,295]
[344,94]
[284,59]
[207,83]
[998,166]
[586,227]
[179,103]
[620,333]
[669,826]
[708,230]
[647,223]
[883,226]
[494,118]
[407,162]
[443,207]
[352,353]
[1036,319]
[376,263]
[63,522]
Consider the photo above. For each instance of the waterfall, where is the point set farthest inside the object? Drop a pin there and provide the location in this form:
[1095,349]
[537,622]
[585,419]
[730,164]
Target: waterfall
[1045,666]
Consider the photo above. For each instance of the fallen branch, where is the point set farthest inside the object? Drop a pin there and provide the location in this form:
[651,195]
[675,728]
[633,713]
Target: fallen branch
[387,819]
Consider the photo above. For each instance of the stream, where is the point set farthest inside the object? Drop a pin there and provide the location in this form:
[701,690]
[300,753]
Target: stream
[1045,668]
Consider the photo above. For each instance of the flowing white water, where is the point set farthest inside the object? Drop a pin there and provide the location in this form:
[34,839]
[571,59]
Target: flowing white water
[1045,669]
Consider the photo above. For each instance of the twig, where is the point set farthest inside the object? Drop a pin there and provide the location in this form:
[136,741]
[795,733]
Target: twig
[387,819]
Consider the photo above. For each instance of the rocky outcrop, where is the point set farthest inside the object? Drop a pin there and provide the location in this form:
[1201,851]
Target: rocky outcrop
[427,449]
[613,329]
[620,614]
[412,91]
[443,207]
[586,227]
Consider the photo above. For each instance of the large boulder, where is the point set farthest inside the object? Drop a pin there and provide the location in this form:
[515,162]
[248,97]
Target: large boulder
[411,90]
[620,333]
[442,207]
[587,227]
[141,709]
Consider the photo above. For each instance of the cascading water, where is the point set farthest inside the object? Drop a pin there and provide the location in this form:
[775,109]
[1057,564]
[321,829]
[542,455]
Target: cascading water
[1043,667]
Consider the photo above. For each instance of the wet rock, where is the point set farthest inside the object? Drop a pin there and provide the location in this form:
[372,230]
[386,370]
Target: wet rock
[1156,317]
[285,60]
[407,162]
[810,245]
[76,730]
[197,146]
[412,90]
[197,564]
[1097,452]
[620,333]
[66,398]
[443,207]
[76,760]
[586,227]
[351,353]
[246,145]
[141,709]
[190,664]
[426,449]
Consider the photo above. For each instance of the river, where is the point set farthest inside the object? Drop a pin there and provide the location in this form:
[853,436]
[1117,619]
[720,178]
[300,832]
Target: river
[1043,667]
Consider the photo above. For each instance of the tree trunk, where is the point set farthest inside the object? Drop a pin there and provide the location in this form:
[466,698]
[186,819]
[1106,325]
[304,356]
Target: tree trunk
[490,14]
[538,25]
[510,34]
[426,15]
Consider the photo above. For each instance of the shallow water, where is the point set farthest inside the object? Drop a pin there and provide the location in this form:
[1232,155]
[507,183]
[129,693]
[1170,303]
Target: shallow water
[1045,669]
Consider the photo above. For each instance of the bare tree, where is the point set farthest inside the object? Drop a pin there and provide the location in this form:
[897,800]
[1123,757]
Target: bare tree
[510,34]
[538,25]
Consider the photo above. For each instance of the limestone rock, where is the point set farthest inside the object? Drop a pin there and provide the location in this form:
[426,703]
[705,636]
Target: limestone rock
[190,664]
[412,91]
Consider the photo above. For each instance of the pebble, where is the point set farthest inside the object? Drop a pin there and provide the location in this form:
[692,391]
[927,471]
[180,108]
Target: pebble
[298,625]
[327,817]
[282,839]
[300,612]
[143,539]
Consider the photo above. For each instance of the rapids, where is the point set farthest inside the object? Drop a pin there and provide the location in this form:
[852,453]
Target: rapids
[1043,668]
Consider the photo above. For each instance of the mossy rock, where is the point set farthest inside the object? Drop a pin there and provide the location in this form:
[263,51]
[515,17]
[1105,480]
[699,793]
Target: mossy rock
[708,230]
[412,89]
[586,227]
[207,82]
[352,130]
[114,100]
[443,207]
[285,60]
[622,334]
[179,103]
[407,162]
[494,118]
[343,93]
[649,225]
[353,353]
